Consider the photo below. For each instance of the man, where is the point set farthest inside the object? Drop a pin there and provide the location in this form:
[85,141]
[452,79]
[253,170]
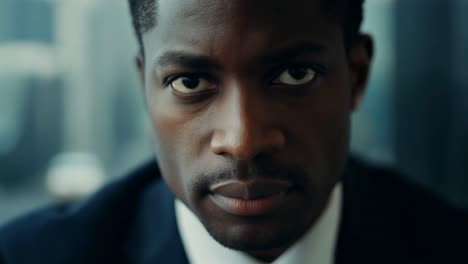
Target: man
[250,103]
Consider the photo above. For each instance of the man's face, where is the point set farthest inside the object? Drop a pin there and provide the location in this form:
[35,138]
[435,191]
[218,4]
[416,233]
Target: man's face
[250,103]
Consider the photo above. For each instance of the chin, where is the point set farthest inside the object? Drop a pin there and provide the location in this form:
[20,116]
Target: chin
[256,236]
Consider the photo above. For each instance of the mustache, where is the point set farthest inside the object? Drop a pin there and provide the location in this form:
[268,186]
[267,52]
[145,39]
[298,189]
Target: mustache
[248,170]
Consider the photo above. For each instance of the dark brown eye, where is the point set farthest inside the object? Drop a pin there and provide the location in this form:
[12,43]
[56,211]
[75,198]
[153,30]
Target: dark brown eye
[296,76]
[191,83]
[188,85]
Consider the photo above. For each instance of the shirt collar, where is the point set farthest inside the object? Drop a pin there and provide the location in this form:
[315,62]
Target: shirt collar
[317,245]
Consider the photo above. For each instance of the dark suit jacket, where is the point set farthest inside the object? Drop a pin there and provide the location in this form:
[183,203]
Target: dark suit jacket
[384,220]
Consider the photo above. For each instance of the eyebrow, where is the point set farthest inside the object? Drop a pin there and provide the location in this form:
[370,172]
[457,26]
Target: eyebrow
[191,61]
[289,52]
[186,60]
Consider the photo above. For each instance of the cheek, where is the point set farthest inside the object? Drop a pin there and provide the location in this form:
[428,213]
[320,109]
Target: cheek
[168,140]
[324,130]
[167,121]
[333,109]
[178,143]
[166,151]
[334,135]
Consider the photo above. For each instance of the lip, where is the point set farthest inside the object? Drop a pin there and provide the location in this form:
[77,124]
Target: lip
[249,198]
[250,190]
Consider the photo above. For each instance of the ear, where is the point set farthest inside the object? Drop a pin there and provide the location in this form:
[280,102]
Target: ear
[140,64]
[360,58]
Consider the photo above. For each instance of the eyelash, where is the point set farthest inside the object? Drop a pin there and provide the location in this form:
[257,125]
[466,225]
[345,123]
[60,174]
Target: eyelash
[319,70]
[168,80]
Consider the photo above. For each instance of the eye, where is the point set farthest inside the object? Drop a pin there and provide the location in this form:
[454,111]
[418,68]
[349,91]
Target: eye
[191,84]
[296,76]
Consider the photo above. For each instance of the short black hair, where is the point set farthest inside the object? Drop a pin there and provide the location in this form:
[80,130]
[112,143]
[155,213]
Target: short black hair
[349,12]
[143,13]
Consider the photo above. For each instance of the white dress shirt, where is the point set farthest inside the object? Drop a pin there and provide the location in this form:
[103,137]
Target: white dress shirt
[316,246]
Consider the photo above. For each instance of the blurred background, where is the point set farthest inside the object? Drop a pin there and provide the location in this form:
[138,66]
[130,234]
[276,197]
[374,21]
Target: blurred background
[72,118]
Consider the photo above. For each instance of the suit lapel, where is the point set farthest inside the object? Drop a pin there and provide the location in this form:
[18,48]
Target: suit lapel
[154,236]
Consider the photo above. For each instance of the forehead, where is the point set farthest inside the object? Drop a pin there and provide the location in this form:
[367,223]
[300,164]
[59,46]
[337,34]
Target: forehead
[239,25]
[218,11]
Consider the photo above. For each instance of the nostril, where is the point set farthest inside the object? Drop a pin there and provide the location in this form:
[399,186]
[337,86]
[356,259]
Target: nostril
[277,139]
[246,146]
[218,142]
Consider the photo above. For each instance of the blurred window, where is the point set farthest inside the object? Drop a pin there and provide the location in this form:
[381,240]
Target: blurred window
[27,20]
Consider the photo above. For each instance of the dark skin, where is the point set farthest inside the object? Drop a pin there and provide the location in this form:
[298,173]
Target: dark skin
[248,90]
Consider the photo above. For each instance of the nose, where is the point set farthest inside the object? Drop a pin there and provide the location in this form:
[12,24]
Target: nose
[246,126]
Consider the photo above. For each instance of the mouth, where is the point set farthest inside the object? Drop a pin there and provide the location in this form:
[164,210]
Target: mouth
[249,198]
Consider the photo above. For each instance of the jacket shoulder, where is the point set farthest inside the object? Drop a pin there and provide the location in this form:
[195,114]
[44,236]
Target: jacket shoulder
[394,191]
[388,215]
[75,233]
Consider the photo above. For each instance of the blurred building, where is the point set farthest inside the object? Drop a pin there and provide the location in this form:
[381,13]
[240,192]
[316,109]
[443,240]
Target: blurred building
[431,88]
[67,85]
